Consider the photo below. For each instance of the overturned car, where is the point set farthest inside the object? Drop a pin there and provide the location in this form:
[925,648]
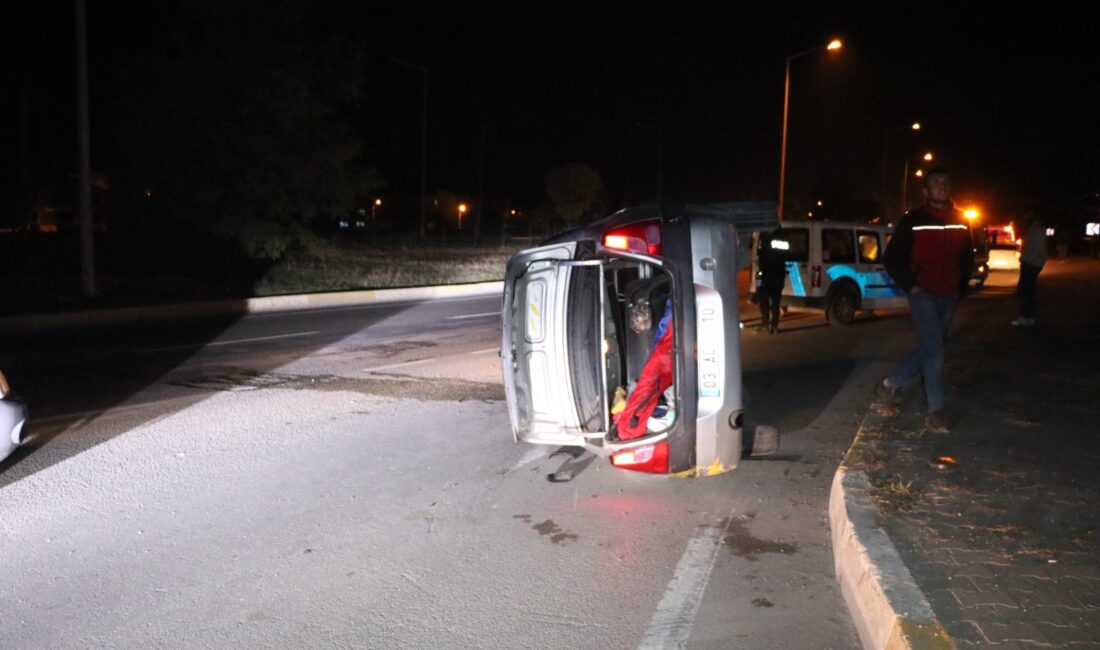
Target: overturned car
[622,337]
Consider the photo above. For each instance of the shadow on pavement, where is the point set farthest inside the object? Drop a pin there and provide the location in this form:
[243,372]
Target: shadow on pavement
[75,377]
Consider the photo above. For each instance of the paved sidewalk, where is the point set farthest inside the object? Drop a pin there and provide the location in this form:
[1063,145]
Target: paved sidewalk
[1005,542]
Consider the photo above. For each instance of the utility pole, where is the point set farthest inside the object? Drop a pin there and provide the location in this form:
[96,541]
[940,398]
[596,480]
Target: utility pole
[423,141]
[480,189]
[84,156]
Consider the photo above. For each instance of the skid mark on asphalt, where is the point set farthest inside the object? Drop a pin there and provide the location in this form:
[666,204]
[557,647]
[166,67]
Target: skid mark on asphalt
[391,386]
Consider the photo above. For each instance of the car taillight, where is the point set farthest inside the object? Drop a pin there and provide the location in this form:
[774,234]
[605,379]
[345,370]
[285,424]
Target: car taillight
[649,458]
[643,238]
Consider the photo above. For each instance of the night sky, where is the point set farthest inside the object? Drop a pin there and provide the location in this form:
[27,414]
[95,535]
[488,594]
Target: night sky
[1007,93]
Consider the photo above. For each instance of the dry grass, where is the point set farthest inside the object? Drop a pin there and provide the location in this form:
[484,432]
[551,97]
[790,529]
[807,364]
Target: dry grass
[340,269]
[892,494]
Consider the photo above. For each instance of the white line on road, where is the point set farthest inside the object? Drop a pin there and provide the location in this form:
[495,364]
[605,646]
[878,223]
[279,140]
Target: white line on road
[231,342]
[534,453]
[403,364]
[482,315]
[671,624]
[485,351]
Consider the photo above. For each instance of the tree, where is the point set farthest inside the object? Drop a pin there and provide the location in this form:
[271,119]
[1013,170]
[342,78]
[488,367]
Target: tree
[238,129]
[572,188]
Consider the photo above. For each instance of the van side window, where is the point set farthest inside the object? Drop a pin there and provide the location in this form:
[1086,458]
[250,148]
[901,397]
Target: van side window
[837,246]
[869,250]
[799,239]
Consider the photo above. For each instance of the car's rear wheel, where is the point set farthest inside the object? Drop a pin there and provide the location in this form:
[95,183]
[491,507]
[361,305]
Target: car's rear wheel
[842,305]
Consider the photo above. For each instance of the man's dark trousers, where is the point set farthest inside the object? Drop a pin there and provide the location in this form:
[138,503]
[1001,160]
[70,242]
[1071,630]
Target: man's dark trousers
[1026,289]
[770,296]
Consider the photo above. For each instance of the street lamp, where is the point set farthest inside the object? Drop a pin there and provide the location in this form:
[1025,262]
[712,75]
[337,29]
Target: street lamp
[373,216]
[832,46]
[461,211]
[423,141]
[905,180]
[914,127]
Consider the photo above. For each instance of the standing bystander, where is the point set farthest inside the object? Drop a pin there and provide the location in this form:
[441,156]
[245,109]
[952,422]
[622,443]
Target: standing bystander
[930,256]
[1033,255]
[772,259]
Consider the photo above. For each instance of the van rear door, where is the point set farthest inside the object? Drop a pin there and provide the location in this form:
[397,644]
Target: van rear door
[551,343]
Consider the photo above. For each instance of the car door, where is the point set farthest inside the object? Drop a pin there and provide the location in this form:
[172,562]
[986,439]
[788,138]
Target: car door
[542,315]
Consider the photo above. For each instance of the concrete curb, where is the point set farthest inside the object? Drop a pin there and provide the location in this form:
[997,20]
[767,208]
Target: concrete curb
[10,324]
[887,606]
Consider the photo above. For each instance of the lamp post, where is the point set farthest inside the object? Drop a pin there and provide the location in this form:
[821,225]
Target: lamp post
[905,180]
[84,165]
[373,216]
[461,211]
[423,140]
[832,46]
[914,127]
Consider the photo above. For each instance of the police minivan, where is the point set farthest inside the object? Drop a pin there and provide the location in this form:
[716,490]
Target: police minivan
[836,266]
[622,337]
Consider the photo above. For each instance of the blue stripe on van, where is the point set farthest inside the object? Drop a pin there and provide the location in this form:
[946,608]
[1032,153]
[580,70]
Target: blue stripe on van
[797,287]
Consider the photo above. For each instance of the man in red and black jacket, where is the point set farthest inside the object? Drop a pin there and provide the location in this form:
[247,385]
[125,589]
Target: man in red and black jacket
[930,256]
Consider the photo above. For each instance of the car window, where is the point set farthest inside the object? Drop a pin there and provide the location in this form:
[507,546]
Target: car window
[799,239]
[837,246]
[869,250]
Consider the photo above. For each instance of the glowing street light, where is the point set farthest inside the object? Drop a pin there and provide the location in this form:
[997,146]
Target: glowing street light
[972,213]
[833,46]
[461,211]
[905,180]
[886,135]
[373,216]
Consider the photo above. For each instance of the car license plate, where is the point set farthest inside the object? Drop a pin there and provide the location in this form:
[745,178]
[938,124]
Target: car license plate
[710,344]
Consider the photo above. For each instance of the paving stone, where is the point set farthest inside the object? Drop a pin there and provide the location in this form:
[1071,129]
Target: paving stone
[1006,544]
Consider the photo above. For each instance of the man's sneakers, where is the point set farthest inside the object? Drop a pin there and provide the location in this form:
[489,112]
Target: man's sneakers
[1021,321]
[935,422]
[885,392]
[887,398]
[887,405]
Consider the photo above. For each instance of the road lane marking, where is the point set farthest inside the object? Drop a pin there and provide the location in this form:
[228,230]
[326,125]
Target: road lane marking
[485,351]
[535,453]
[403,364]
[231,342]
[467,316]
[674,618]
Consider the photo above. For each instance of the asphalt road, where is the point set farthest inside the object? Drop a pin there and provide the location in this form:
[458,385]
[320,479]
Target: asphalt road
[347,478]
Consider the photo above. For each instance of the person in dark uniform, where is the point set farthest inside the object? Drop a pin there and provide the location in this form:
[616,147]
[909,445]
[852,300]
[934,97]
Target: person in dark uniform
[772,258]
